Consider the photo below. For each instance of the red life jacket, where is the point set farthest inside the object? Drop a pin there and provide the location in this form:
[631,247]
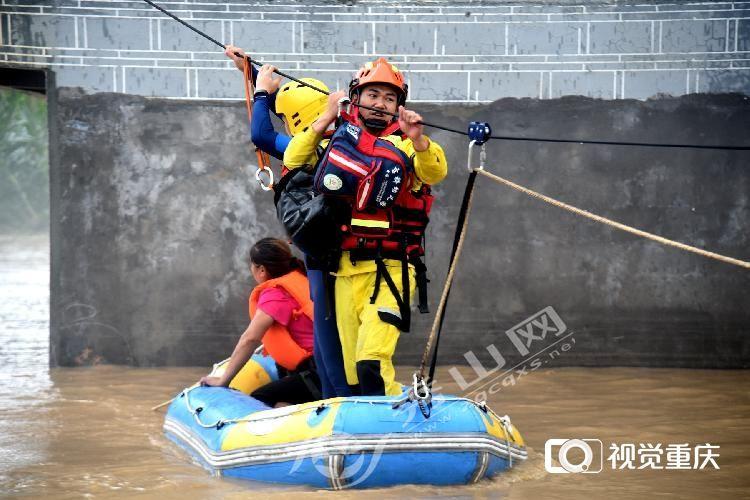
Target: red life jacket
[376,178]
[277,341]
[388,218]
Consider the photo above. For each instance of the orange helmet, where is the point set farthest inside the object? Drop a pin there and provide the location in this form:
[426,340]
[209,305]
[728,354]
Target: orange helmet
[382,72]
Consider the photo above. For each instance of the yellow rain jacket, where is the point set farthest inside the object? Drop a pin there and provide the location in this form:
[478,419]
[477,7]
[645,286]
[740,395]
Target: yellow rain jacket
[364,336]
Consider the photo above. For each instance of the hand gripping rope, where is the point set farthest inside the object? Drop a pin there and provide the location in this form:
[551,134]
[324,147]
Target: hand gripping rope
[264,162]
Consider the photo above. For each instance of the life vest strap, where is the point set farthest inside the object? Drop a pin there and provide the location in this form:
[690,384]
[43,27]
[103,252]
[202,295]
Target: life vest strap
[421,278]
[361,254]
[402,300]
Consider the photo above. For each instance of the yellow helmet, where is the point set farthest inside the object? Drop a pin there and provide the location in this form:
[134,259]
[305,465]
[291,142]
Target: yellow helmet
[301,105]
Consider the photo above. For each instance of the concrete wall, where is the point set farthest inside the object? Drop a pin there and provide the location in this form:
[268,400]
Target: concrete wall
[154,207]
[452,51]
[153,217]
[155,210]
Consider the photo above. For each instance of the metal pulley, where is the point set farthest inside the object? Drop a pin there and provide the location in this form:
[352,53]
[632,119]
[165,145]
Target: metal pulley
[479,133]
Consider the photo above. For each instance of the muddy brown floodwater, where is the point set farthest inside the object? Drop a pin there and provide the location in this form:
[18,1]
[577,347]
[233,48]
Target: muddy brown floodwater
[89,432]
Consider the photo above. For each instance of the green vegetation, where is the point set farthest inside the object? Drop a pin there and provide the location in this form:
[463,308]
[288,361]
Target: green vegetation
[24,164]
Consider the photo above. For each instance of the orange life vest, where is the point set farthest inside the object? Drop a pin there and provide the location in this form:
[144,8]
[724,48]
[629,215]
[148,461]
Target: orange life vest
[277,341]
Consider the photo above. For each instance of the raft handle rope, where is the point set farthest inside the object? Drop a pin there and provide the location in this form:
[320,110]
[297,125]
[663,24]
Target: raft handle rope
[195,412]
[395,404]
[507,428]
[291,410]
[449,129]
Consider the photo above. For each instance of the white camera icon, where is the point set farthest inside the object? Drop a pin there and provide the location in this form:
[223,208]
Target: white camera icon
[592,456]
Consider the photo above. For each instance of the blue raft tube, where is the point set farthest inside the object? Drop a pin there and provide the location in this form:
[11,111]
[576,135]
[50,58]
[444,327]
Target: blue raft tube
[353,442]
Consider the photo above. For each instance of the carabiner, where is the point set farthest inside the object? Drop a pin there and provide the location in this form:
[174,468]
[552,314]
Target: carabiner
[344,105]
[423,398]
[420,385]
[482,156]
[264,186]
[479,133]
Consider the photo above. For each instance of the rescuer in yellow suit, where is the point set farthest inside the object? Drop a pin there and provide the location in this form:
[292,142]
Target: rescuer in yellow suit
[368,342]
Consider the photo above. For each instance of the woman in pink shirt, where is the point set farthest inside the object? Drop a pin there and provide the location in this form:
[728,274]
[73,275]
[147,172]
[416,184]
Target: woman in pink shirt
[281,312]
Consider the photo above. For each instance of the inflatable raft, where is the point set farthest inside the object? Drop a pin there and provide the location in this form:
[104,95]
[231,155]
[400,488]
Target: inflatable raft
[356,442]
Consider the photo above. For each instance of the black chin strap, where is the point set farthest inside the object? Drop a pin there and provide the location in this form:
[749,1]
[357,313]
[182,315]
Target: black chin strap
[374,123]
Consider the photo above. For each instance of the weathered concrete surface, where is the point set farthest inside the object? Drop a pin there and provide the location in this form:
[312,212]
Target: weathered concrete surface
[631,301]
[154,207]
[156,217]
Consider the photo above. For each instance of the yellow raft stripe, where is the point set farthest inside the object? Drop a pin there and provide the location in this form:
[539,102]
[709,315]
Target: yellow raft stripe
[370,223]
[495,429]
[252,376]
[289,427]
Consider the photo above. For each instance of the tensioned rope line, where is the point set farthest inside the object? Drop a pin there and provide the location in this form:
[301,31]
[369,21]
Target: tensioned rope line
[453,130]
[458,241]
[433,338]
[622,143]
[612,223]
[458,245]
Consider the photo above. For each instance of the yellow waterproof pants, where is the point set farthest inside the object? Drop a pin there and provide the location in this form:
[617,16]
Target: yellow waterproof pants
[364,336]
